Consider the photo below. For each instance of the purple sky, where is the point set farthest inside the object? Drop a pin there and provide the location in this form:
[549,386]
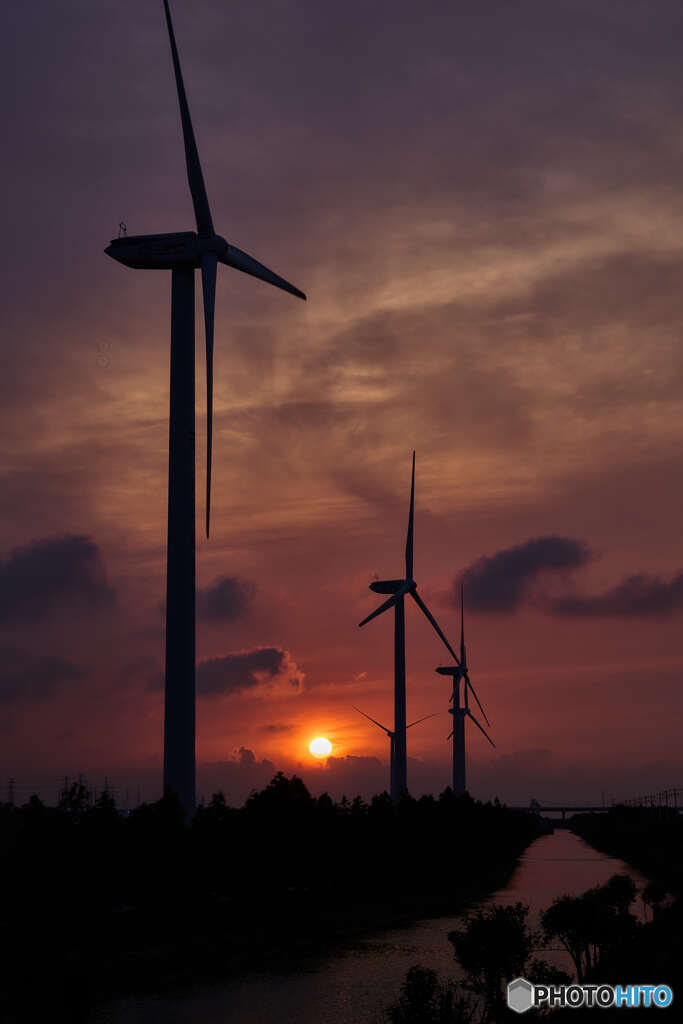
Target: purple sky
[483,203]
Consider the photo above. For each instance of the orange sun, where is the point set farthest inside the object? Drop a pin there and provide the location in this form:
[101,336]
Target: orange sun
[320,747]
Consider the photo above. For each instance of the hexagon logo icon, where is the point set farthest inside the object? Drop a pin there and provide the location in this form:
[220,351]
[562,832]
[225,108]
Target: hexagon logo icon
[520,995]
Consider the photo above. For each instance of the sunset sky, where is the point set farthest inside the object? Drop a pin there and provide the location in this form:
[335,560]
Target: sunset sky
[484,204]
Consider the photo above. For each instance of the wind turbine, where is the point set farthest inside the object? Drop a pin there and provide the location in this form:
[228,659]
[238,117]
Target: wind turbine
[398,589]
[391,734]
[182,253]
[459,712]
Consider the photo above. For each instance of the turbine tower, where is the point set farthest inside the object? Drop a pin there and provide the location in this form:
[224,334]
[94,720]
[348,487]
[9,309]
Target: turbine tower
[460,712]
[182,253]
[390,733]
[398,589]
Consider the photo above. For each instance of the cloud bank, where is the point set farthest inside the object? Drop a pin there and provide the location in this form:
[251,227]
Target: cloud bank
[502,582]
[37,579]
[636,596]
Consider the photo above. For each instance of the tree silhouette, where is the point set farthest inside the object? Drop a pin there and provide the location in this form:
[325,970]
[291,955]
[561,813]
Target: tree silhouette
[75,800]
[424,1000]
[654,894]
[593,923]
[493,947]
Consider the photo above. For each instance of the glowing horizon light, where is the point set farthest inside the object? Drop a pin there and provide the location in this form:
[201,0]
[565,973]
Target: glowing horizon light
[320,747]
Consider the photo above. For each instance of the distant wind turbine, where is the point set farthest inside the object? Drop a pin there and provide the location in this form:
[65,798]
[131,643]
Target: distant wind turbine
[182,253]
[398,589]
[391,734]
[460,713]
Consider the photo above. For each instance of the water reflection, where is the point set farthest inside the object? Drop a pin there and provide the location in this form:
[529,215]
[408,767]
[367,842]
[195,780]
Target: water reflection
[355,987]
[558,865]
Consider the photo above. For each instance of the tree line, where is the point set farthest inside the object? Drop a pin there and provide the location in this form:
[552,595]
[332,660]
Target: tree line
[104,902]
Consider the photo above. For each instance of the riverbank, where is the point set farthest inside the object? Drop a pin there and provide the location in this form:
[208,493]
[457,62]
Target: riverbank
[651,841]
[650,838]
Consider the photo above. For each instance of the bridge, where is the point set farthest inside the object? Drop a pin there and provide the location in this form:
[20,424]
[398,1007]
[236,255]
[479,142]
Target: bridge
[564,809]
[665,800]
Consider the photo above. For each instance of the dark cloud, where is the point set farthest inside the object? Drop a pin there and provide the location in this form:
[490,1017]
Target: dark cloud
[24,676]
[227,599]
[38,579]
[500,582]
[635,596]
[246,669]
[503,582]
[276,728]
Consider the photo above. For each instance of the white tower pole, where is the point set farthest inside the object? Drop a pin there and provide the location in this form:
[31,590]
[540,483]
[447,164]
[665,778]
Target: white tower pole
[400,775]
[459,769]
[179,716]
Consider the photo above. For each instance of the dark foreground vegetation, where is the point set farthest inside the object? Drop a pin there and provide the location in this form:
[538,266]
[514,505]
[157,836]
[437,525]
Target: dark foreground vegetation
[599,930]
[606,942]
[96,903]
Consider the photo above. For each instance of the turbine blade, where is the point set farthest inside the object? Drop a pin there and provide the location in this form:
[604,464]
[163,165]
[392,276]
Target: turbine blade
[394,599]
[449,735]
[468,684]
[417,721]
[383,727]
[409,537]
[234,257]
[194,170]
[382,608]
[481,728]
[209,289]
[416,597]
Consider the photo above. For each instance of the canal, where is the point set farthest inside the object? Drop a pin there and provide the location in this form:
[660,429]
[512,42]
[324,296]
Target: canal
[356,985]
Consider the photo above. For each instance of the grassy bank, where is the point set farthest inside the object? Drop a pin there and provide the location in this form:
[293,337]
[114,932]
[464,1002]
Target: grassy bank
[651,839]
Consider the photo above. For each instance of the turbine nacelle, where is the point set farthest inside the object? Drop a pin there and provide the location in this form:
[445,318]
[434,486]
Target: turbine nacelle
[165,251]
[391,586]
[188,249]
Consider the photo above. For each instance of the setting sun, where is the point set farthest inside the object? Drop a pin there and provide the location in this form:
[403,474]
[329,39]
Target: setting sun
[320,747]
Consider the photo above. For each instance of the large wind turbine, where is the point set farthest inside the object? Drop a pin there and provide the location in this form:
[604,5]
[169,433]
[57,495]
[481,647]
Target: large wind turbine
[459,712]
[391,734]
[182,253]
[398,589]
